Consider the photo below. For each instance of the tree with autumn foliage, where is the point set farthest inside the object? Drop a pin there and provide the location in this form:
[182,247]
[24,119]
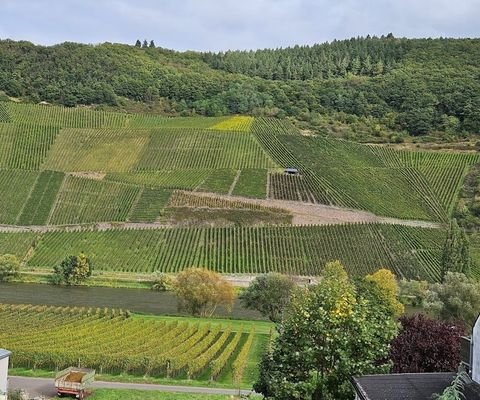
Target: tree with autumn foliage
[201,291]
[426,345]
[330,332]
[72,270]
[388,286]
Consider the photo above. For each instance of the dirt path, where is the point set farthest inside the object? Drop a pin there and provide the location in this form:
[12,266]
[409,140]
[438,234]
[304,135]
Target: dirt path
[320,214]
[303,214]
[46,387]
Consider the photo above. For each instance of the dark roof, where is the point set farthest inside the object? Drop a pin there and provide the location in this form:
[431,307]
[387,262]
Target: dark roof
[4,354]
[402,386]
[410,386]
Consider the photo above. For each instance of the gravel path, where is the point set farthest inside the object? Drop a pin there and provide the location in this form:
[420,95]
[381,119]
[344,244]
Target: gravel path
[45,387]
[303,214]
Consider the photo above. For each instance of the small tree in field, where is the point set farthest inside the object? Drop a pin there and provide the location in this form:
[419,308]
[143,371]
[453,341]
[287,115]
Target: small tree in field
[426,345]
[201,291]
[72,270]
[9,267]
[270,294]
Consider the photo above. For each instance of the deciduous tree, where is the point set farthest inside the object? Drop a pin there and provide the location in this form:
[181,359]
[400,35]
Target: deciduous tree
[9,267]
[330,332]
[201,291]
[270,294]
[456,255]
[386,282]
[457,298]
[72,270]
[426,345]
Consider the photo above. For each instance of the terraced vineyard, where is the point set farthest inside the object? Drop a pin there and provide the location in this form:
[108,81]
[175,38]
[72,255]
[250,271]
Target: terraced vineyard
[79,166]
[53,338]
[363,248]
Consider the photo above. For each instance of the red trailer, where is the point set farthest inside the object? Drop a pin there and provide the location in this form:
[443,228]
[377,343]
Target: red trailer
[74,381]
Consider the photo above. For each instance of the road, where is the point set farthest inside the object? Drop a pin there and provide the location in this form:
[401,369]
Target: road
[44,387]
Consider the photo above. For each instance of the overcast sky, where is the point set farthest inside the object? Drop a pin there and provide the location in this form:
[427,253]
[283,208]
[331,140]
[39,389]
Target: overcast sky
[233,24]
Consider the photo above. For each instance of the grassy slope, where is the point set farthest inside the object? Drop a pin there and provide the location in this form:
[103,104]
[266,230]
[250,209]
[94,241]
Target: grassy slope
[110,394]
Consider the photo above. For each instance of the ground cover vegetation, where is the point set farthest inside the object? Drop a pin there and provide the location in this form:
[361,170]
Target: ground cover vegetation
[413,253]
[112,342]
[373,86]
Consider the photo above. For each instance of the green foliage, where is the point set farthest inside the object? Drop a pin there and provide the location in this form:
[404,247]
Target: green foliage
[72,270]
[420,85]
[15,186]
[9,267]
[455,390]
[412,292]
[331,333]
[270,294]
[456,255]
[251,183]
[409,252]
[161,282]
[149,205]
[112,342]
[42,198]
[457,298]
[82,200]
[201,291]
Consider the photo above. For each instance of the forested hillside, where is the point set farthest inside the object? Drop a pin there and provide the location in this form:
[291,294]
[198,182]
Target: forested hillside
[374,85]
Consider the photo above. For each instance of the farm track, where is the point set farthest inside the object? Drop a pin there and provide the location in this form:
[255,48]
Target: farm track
[303,214]
[320,214]
[45,387]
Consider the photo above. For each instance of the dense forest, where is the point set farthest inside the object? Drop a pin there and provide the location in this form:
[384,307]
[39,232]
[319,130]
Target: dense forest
[371,85]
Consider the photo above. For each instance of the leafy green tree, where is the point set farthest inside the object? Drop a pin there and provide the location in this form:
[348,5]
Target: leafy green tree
[138,43]
[9,267]
[457,298]
[456,254]
[72,270]
[152,44]
[145,44]
[388,286]
[331,331]
[201,291]
[270,294]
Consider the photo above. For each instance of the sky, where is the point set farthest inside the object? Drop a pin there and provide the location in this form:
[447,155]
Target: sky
[219,25]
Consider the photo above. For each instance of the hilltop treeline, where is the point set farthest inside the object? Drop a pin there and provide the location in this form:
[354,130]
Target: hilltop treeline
[418,86]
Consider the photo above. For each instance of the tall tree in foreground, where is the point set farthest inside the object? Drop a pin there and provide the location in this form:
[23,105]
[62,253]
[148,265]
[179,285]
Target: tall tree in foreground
[426,345]
[331,331]
[201,291]
[269,294]
[456,255]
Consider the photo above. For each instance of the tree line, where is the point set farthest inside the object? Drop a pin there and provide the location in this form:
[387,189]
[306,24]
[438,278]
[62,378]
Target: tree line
[416,86]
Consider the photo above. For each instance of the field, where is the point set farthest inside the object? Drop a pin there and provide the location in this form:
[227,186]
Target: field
[84,167]
[119,394]
[409,252]
[112,342]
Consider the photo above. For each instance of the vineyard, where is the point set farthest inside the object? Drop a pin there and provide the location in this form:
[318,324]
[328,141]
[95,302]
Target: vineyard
[52,338]
[363,248]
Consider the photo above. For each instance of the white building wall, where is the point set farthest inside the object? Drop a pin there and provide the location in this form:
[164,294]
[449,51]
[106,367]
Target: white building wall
[476,352]
[3,378]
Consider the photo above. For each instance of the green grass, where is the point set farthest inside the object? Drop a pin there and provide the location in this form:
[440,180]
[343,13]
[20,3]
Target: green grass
[202,149]
[15,187]
[218,182]
[252,183]
[149,205]
[83,200]
[402,184]
[42,198]
[111,342]
[101,150]
[120,394]
[25,146]
[363,248]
